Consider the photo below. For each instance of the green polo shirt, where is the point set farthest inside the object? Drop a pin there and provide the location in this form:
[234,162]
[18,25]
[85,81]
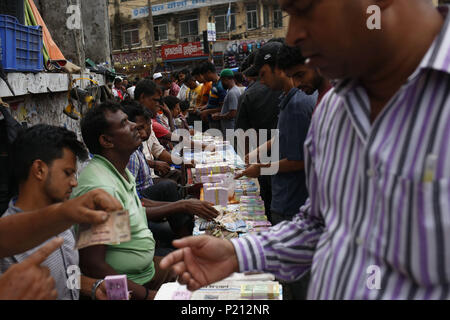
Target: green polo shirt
[133,258]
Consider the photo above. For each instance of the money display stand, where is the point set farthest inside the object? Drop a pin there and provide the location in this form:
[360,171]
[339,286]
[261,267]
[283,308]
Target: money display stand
[237,286]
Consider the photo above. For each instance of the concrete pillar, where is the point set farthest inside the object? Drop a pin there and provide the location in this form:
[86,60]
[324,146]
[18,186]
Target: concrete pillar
[96,31]
[70,41]
[90,39]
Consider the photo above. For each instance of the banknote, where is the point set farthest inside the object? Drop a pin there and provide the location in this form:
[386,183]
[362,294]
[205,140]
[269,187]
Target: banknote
[115,230]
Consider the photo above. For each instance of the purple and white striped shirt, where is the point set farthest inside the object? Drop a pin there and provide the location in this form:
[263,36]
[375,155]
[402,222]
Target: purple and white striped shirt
[379,194]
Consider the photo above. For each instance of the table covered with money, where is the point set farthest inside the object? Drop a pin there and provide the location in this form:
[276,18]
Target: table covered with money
[242,212]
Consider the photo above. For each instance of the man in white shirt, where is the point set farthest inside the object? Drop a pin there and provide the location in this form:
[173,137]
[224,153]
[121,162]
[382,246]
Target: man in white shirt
[131,89]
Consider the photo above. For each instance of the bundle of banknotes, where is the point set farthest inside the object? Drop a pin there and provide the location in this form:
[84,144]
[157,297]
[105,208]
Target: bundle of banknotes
[115,230]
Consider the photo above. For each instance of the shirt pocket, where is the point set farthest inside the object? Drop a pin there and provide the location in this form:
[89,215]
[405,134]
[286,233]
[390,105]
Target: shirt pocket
[411,230]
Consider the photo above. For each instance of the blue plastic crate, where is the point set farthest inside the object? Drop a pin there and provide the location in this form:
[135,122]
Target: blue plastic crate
[20,46]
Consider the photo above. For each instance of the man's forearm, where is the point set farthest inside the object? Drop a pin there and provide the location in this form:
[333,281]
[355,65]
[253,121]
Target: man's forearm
[289,166]
[153,204]
[212,111]
[24,231]
[166,157]
[264,148]
[228,116]
[165,211]
[293,258]
[86,285]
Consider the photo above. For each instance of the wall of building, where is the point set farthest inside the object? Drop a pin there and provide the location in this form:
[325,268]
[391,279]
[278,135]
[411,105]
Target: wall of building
[205,14]
[42,97]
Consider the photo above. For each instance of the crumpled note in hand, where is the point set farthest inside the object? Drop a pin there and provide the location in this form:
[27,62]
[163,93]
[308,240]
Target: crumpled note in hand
[115,230]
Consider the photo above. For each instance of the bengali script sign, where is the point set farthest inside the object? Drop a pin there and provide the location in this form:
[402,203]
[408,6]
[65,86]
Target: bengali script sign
[182,51]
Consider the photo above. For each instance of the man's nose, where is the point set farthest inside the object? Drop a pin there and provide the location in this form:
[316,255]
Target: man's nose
[296,32]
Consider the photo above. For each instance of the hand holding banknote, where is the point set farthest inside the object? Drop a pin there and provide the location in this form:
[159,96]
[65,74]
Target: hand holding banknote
[115,230]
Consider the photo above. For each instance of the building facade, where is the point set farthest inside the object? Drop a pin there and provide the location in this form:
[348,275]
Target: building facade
[241,27]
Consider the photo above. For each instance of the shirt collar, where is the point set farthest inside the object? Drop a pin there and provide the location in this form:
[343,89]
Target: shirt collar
[436,58]
[130,184]
[12,205]
[287,97]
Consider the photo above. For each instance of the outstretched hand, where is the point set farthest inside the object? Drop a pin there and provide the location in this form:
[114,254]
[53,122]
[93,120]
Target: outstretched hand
[91,208]
[253,171]
[29,280]
[201,261]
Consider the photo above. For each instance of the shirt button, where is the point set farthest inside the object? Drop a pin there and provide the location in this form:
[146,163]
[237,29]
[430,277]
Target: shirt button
[370,173]
[359,241]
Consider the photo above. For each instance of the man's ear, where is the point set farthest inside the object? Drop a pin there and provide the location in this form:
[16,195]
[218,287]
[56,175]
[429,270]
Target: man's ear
[140,98]
[39,170]
[105,142]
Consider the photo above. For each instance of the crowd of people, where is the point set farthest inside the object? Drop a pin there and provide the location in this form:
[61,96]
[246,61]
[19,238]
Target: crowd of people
[362,179]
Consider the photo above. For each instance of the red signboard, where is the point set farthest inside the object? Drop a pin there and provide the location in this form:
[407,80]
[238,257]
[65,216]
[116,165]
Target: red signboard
[182,51]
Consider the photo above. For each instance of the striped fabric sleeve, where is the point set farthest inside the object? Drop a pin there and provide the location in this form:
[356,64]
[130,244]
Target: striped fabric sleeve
[133,165]
[286,250]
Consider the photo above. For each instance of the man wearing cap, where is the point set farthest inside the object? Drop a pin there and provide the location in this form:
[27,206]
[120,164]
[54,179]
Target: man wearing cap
[230,104]
[157,77]
[258,109]
[289,190]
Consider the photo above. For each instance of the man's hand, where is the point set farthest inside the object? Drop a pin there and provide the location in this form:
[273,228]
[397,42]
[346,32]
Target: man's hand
[91,208]
[253,171]
[216,116]
[162,167]
[28,280]
[199,208]
[165,109]
[201,261]
[204,115]
[209,147]
[247,160]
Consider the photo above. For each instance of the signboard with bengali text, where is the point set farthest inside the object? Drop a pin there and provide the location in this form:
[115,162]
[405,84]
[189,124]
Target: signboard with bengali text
[182,51]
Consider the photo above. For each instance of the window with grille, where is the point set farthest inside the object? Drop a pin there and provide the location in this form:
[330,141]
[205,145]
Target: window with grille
[131,37]
[252,17]
[161,32]
[277,18]
[189,26]
[220,16]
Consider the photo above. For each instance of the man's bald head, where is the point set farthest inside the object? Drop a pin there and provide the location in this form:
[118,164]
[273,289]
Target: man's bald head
[335,36]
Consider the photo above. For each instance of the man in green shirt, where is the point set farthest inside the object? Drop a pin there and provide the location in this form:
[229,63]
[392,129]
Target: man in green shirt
[112,139]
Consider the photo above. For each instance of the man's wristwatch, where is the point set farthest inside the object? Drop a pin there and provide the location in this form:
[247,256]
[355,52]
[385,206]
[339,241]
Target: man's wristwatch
[95,287]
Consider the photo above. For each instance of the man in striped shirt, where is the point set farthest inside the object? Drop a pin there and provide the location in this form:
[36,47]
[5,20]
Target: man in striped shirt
[377,223]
